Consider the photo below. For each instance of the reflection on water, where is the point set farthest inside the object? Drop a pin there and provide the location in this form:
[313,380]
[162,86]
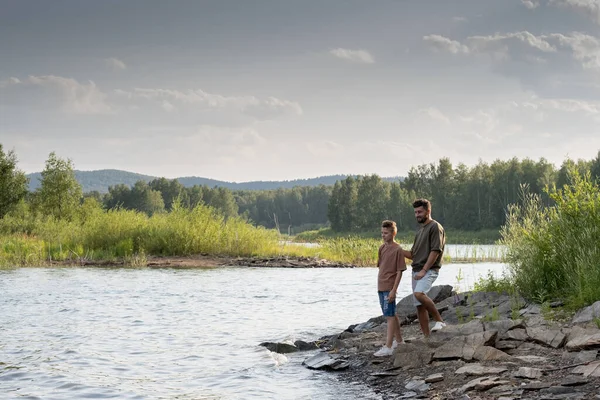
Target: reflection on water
[185,334]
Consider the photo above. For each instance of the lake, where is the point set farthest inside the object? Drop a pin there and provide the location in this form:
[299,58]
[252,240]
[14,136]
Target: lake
[70,333]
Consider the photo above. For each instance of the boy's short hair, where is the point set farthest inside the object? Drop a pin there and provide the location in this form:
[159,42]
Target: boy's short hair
[390,225]
[426,204]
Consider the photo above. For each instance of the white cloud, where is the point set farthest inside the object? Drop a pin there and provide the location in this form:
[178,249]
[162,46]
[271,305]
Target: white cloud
[115,64]
[357,56]
[199,99]
[76,98]
[585,48]
[441,43]
[531,4]
[590,8]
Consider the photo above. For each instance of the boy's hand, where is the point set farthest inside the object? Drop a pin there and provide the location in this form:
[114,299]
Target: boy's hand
[392,297]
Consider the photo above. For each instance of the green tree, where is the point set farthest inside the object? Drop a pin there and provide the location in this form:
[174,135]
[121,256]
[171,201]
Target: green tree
[59,194]
[13,183]
[146,200]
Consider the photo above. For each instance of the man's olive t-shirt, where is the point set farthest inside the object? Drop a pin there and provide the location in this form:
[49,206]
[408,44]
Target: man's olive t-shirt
[430,237]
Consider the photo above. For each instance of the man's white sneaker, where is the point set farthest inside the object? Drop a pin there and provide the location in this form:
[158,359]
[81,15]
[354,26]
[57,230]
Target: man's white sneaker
[438,325]
[384,352]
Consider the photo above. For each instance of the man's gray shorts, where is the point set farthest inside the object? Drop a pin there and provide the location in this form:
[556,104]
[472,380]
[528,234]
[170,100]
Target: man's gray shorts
[424,284]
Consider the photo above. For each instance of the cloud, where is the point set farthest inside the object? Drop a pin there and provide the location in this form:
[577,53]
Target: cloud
[115,64]
[590,8]
[357,56]
[75,97]
[441,43]
[531,4]
[198,99]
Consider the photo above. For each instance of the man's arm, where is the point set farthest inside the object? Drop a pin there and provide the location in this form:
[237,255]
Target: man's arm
[433,255]
[407,254]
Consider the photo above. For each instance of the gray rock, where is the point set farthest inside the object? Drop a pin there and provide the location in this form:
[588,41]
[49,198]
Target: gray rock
[532,359]
[583,356]
[587,314]
[574,381]
[417,385]
[536,386]
[408,395]
[489,383]
[464,347]
[518,334]
[433,378]
[281,348]
[591,369]
[412,355]
[532,309]
[488,353]
[503,326]
[325,361]
[583,339]
[528,373]
[406,310]
[477,369]
[506,344]
[305,346]
[550,337]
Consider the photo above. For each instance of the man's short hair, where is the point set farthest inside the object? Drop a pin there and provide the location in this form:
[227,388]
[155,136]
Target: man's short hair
[426,204]
[390,225]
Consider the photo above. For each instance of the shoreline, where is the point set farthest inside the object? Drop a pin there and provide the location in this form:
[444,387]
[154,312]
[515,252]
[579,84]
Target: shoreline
[208,261]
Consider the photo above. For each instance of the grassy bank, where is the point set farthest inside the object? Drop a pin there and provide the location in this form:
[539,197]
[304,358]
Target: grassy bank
[489,236]
[553,252]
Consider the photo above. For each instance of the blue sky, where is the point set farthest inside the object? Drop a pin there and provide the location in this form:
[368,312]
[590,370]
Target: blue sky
[270,90]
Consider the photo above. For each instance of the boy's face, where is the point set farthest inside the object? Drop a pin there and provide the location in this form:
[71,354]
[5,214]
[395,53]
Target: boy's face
[387,235]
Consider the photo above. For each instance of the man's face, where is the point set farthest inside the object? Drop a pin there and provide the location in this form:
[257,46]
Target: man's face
[421,214]
[387,235]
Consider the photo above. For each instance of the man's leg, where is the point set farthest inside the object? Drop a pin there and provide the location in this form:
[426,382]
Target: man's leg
[429,306]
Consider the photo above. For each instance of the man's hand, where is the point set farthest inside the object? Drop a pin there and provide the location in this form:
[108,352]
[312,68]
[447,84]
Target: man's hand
[392,296]
[420,275]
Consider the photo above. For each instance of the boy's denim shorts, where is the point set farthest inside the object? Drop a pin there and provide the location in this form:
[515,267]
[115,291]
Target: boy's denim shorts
[424,284]
[388,309]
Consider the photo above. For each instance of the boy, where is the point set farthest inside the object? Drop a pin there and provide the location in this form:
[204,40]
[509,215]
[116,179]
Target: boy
[390,262]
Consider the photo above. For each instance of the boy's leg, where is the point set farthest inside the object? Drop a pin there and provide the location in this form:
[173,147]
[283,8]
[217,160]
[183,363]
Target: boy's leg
[398,331]
[391,330]
[389,311]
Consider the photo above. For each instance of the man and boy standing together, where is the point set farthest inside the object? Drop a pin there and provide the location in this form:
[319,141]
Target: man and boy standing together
[426,255]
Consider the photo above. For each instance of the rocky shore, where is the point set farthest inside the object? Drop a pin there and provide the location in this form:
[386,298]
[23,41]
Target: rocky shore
[494,347]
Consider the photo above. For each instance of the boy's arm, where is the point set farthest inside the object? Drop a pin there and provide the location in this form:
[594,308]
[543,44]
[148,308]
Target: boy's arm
[400,267]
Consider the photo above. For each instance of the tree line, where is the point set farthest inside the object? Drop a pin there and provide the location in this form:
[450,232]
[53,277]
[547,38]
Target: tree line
[464,198]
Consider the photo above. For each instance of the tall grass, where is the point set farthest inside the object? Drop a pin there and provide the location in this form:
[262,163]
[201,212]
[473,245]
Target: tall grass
[553,252]
[118,234]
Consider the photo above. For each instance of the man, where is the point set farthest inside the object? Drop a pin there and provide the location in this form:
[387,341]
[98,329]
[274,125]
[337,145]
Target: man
[426,255]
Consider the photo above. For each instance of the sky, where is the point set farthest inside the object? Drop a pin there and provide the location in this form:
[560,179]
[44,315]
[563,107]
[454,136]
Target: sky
[278,90]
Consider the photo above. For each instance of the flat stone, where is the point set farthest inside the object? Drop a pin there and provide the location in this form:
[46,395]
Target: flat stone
[591,369]
[412,355]
[532,359]
[384,374]
[434,378]
[536,386]
[515,334]
[558,390]
[587,314]
[507,344]
[488,353]
[574,381]
[583,356]
[503,326]
[480,370]
[305,346]
[325,361]
[583,339]
[418,386]
[528,373]
[550,337]
[464,347]
[489,383]
[472,383]
[408,395]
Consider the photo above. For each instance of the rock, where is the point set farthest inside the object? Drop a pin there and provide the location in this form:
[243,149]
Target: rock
[480,370]
[536,386]
[532,309]
[591,369]
[583,356]
[384,374]
[488,353]
[583,339]
[574,381]
[434,378]
[417,385]
[281,348]
[464,347]
[408,395]
[558,390]
[532,359]
[412,355]
[473,383]
[549,337]
[515,334]
[503,326]
[587,314]
[440,293]
[489,383]
[305,346]
[507,344]
[406,310]
[325,361]
[528,373]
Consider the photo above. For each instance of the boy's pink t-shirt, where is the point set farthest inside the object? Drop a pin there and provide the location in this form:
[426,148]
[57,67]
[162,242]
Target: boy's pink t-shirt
[390,262]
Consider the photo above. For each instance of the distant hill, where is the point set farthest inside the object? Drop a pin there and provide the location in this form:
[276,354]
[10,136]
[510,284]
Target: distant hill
[100,180]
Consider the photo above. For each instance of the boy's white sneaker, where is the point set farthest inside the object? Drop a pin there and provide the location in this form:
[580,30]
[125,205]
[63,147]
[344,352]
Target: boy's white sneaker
[384,352]
[438,326]
[395,344]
